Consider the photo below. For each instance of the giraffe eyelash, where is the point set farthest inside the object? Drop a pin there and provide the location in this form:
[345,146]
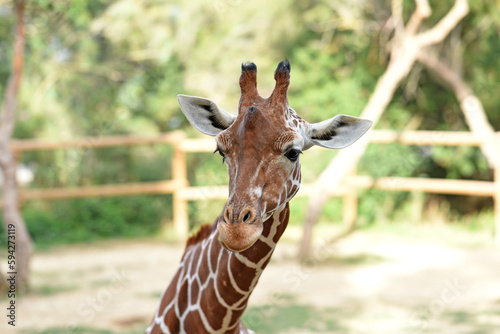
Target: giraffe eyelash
[221,154]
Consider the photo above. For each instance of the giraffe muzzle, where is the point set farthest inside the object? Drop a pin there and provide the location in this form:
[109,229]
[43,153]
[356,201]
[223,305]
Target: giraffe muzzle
[238,231]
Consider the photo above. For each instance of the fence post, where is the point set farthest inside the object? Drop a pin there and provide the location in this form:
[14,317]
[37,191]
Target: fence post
[350,205]
[180,205]
[350,209]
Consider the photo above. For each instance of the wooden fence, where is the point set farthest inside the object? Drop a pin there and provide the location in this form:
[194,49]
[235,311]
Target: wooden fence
[183,192]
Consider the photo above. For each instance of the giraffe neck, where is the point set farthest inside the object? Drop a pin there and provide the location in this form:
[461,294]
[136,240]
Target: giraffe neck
[212,285]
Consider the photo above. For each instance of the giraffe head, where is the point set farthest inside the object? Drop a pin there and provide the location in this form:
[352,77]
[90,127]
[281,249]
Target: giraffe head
[261,148]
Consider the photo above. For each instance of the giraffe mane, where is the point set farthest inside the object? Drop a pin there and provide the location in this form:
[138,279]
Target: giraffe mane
[203,232]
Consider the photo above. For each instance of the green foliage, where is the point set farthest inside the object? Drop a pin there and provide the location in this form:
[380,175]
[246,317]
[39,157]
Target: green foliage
[82,220]
[472,164]
[326,85]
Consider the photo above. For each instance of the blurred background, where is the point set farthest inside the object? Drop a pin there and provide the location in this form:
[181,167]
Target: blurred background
[95,69]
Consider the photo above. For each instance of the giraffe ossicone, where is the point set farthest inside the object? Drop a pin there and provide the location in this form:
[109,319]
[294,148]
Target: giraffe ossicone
[261,147]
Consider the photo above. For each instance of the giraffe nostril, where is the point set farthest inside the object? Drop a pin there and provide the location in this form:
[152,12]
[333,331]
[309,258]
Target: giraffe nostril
[228,215]
[246,217]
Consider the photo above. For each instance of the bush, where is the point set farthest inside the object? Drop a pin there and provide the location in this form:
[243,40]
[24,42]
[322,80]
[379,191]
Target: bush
[82,220]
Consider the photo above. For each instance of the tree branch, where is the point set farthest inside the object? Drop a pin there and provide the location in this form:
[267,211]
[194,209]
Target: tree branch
[397,20]
[469,103]
[422,12]
[442,29]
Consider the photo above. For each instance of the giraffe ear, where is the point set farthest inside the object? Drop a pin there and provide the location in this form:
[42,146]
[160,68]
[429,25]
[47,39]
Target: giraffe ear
[337,132]
[205,115]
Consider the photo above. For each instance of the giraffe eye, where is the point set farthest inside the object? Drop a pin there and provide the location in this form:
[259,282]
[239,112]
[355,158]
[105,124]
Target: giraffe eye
[293,154]
[221,154]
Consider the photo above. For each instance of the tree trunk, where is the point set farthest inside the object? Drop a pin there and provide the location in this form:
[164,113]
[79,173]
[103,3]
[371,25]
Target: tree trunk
[471,106]
[12,219]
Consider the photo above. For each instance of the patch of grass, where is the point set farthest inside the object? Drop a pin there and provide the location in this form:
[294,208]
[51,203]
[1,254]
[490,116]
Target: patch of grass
[484,329]
[460,317]
[484,323]
[156,295]
[73,330]
[82,330]
[49,290]
[100,282]
[353,260]
[283,314]
[480,331]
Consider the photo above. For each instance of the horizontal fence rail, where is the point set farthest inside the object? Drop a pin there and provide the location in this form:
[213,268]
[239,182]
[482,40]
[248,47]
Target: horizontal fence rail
[182,192]
[123,189]
[26,145]
[421,138]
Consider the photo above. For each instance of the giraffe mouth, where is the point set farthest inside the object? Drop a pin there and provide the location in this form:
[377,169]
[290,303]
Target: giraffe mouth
[235,250]
[240,236]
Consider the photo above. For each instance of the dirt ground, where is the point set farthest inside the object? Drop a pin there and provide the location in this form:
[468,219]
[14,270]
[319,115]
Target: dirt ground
[371,282]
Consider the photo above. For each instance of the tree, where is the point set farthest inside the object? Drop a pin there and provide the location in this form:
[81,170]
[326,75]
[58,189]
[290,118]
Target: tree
[407,44]
[12,217]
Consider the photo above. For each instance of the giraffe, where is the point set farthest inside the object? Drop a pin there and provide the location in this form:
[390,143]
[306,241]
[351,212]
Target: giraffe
[222,263]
